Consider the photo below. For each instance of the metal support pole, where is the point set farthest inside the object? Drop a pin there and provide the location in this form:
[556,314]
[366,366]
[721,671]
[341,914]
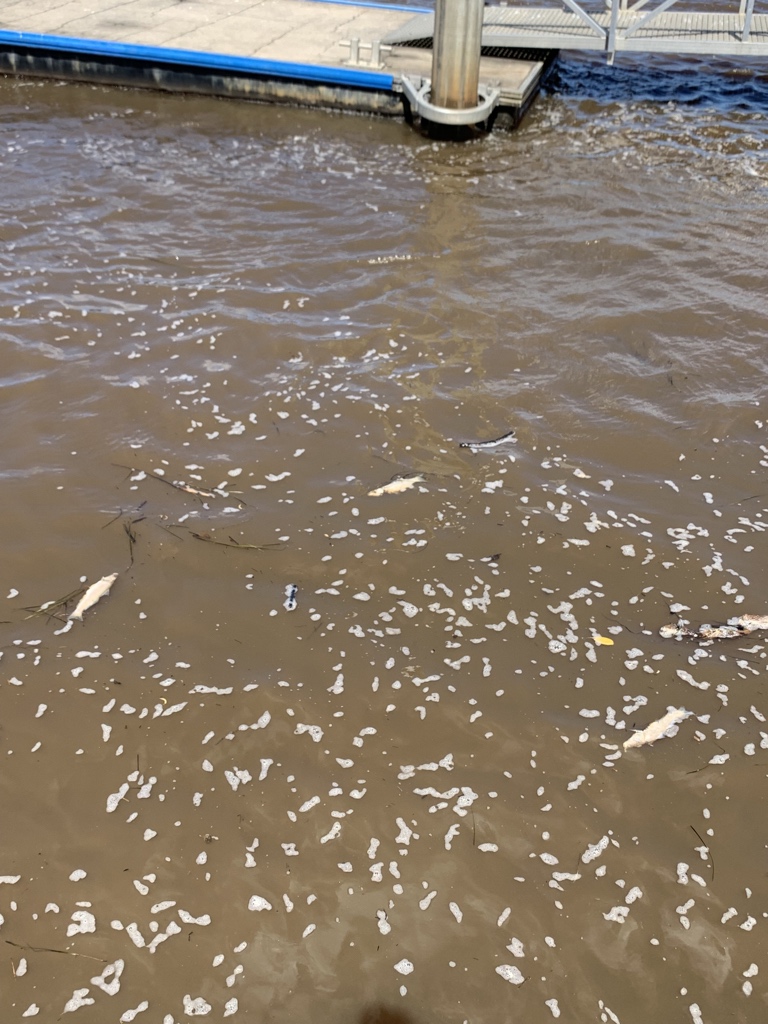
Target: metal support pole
[456,53]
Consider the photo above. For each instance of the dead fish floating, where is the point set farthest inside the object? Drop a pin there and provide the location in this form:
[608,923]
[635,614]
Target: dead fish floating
[397,484]
[658,729]
[93,594]
[750,622]
[740,625]
[488,444]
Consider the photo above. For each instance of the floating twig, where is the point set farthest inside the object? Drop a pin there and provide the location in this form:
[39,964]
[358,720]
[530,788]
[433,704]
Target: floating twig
[180,485]
[47,607]
[128,527]
[232,543]
[706,847]
[49,949]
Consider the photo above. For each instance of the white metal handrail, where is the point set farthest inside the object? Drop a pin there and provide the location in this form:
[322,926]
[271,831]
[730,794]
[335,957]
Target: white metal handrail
[613,33]
[745,10]
[615,26]
[664,6]
[588,21]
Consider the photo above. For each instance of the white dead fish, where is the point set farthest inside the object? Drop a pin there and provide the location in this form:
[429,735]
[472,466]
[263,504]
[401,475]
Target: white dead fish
[737,627]
[749,622]
[707,632]
[678,631]
[397,484]
[656,730]
[93,594]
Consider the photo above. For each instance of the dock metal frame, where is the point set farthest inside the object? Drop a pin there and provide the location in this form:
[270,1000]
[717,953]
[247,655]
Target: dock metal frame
[614,26]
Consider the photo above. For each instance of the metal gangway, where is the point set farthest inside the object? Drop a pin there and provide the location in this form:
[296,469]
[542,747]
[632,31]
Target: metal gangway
[615,26]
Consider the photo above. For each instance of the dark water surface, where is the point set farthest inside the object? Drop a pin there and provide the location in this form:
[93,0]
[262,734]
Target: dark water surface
[407,800]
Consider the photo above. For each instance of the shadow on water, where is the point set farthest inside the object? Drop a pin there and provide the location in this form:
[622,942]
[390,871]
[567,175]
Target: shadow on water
[656,78]
[377,1013]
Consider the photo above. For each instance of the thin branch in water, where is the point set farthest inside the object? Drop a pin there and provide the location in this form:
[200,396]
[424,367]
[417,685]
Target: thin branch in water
[198,492]
[124,511]
[47,607]
[274,546]
[706,847]
[49,949]
[114,519]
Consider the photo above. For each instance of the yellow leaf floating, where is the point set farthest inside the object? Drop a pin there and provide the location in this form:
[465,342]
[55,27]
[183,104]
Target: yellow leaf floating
[602,641]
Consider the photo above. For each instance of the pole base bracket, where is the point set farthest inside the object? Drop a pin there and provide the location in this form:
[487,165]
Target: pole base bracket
[417,91]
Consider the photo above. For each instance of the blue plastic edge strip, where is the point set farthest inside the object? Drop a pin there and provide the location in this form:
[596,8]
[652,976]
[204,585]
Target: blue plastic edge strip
[380,6]
[153,55]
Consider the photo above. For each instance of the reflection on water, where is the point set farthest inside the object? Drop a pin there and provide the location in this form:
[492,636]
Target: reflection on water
[407,800]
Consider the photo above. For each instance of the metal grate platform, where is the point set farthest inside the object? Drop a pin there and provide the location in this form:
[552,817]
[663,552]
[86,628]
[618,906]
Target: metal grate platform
[522,28]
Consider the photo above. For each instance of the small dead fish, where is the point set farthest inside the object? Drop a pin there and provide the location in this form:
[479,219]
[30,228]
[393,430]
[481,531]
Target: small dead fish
[656,730]
[678,631]
[705,631]
[290,597]
[93,594]
[487,444]
[748,622]
[180,486]
[397,484]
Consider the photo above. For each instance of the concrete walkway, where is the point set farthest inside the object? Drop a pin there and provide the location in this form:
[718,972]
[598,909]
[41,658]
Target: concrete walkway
[280,37]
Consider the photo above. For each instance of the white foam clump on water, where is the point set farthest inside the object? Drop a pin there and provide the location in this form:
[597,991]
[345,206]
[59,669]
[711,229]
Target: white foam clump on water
[510,973]
[259,903]
[79,998]
[404,967]
[187,918]
[314,731]
[196,1007]
[130,1015]
[82,922]
[112,972]
[594,850]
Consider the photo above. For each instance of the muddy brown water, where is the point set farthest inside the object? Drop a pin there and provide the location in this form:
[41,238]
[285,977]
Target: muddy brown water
[407,800]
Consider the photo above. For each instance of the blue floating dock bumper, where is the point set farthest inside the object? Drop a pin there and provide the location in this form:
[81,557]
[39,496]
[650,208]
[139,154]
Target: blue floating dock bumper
[155,67]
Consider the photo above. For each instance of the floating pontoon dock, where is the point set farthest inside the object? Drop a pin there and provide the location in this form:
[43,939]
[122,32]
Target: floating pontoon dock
[362,56]
[308,52]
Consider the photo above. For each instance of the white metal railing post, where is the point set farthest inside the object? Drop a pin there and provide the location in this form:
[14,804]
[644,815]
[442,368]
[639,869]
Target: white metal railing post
[610,43]
[747,24]
[456,53]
